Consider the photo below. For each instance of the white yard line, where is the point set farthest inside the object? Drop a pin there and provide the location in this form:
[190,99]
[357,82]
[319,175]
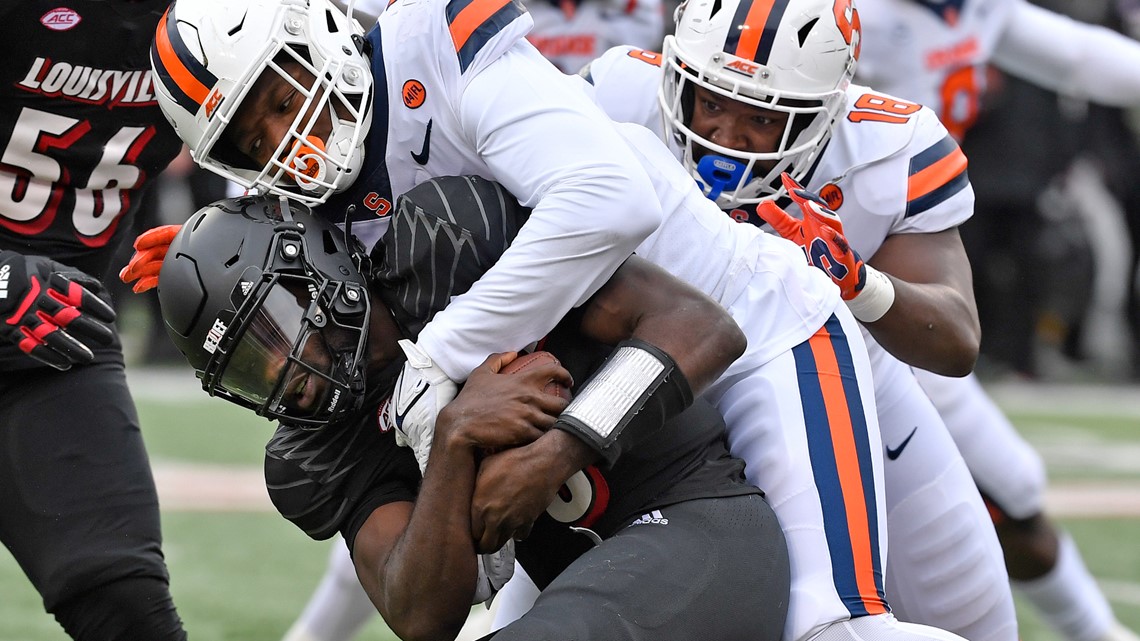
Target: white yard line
[217,488]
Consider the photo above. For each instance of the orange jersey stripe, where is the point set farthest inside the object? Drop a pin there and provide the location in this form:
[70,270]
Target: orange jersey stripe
[753,28]
[847,463]
[936,175]
[185,80]
[472,16]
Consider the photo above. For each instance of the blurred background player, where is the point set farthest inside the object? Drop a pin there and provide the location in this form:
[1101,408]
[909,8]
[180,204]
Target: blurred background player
[571,33]
[936,53]
[82,137]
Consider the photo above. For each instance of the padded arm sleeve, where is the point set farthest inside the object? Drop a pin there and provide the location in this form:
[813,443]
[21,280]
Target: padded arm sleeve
[637,381]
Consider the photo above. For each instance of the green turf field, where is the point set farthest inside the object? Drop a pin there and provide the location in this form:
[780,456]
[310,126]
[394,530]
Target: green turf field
[244,575]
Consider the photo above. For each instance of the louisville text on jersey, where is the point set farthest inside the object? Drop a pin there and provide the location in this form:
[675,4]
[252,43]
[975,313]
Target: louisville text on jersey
[88,84]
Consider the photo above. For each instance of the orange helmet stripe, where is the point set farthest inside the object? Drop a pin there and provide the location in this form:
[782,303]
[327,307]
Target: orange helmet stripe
[171,66]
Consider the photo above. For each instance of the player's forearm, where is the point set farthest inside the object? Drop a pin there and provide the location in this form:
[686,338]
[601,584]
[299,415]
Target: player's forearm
[1057,52]
[430,575]
[930,326]
[553,149]
[645,302]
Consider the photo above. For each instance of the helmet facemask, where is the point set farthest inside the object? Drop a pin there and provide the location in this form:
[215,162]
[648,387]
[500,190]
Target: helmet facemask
[304,165]
[296,352]
[270,306]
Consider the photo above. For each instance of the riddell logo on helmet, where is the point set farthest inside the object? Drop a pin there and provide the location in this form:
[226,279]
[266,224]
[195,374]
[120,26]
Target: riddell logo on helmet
[4,272]
[214,336]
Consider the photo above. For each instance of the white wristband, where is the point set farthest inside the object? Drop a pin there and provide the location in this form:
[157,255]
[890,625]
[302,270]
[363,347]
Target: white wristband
[876,298]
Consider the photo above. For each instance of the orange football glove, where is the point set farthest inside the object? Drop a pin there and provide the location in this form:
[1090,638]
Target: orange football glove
[820,234]
[150,249]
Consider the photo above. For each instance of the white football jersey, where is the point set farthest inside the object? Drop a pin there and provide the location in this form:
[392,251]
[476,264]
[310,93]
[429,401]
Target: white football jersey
[467,94]
[932,52]
[571,33]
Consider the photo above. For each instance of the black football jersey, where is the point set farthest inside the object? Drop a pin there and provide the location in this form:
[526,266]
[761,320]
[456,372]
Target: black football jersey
[441,240]
[80,131]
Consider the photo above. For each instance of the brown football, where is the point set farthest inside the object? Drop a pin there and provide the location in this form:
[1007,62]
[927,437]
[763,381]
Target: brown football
[534,358]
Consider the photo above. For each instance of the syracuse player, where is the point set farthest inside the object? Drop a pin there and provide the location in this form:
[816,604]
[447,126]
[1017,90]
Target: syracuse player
[746,90]
[936,53]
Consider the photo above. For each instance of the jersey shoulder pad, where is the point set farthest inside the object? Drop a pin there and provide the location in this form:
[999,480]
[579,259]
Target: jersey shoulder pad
[444,235]
[480,31]
[626,81]
[907,162]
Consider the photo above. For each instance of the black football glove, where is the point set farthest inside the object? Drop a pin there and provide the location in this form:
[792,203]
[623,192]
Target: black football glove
[50,310]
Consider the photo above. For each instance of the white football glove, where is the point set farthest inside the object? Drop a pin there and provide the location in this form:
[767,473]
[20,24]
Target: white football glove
[421,392]
[495,570]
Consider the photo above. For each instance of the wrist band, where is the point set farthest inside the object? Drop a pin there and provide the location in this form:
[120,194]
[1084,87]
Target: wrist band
[876,298]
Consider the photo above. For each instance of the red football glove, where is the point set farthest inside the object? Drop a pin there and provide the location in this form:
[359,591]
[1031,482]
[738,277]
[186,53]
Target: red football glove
[51,311]
[150,249]
[820,234]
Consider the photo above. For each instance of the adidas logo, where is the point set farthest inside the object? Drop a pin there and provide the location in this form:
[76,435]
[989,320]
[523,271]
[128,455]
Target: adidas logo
[245,287]
[653,517]
[4,272]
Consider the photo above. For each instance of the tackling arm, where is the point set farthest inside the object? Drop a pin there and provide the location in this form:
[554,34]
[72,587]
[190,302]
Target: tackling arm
[1070,57]
[677,327]
[933,323]
[554,150]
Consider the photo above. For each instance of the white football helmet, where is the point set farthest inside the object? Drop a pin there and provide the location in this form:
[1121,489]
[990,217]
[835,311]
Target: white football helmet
[206,56]
[793,56]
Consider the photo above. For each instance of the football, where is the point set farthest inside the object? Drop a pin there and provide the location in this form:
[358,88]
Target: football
[525,361]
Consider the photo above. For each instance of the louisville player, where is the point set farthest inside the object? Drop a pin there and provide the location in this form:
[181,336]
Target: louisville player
[266,302]
[80,137]
[748,90]
[935,54]
[498,110]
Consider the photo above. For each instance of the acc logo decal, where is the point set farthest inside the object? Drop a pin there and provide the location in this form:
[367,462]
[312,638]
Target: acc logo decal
[742,66]
[832,195]
[414,94]
[212,102]
[60,19]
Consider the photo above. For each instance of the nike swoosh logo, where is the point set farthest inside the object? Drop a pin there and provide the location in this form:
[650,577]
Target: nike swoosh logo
[422,157]
[893,454]
[400,413]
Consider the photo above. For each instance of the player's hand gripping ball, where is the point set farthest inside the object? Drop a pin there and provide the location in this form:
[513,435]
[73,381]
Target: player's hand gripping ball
[526,361]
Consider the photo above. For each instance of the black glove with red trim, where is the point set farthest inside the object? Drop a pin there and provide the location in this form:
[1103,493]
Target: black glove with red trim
[50,311]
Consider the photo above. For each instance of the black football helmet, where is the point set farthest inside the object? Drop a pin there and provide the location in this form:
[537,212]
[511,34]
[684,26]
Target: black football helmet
[269,305]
